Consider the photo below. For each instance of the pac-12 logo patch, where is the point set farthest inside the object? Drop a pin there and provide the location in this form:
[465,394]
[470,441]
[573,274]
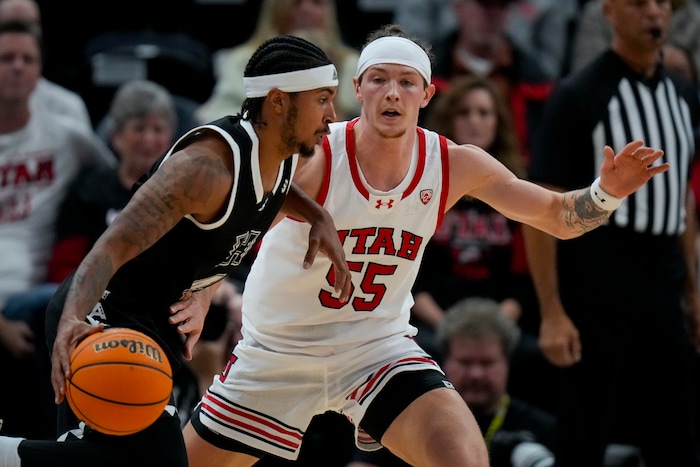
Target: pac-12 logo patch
[426,196]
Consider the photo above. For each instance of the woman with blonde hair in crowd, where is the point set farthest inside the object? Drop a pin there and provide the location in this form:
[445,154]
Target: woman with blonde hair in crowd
[314,20]
[473,246]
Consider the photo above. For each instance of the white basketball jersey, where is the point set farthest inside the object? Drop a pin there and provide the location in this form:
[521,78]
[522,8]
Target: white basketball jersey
[384,234]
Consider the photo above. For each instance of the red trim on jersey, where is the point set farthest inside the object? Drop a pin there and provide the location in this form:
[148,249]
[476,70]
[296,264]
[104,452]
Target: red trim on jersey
[354,166]
[420,168]
[444,157]
[325,184]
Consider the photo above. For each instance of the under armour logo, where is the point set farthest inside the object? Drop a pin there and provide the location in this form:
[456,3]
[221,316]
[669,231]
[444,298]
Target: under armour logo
[389,204]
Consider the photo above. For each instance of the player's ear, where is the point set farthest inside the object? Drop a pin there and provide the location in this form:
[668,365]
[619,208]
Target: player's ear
[278,99]
[358,93]
[429,93]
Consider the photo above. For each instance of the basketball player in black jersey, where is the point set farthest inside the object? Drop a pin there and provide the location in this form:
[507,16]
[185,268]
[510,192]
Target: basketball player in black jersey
[201,208]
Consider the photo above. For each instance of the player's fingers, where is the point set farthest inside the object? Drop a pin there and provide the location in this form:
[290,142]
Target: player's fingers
[180,316]
[609,152]
[63,347]
[311,253]
[575,350]
[343,284]
[658,169]
[190,340]
[632,146]
[177,306]
[58,378]
[653,156]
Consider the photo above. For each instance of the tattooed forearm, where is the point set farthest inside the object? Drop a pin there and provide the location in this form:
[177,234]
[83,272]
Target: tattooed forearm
[85,291]
[583,215]
[181,186]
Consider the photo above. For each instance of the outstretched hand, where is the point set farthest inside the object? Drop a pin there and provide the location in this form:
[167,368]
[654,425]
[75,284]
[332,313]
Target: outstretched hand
[626,172]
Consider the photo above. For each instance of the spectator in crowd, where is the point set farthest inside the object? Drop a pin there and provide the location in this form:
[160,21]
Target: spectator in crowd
[47,96]
[477,251]
[606,297]
[477,339]
[472,250]
[140,124]
[545,29]
[40,154]
[428,20]
[476,241]
[480,46]
[679,60]
[314,20]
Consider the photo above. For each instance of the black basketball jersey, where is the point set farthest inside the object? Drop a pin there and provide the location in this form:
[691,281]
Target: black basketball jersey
[192,255]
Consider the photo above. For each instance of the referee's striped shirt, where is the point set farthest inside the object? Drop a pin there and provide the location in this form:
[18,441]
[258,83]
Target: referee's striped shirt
[609,104]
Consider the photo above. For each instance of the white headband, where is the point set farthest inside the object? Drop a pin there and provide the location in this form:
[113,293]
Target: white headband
[291,81]
[397,50]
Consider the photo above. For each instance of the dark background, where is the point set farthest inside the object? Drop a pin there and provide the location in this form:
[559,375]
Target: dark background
[188,32]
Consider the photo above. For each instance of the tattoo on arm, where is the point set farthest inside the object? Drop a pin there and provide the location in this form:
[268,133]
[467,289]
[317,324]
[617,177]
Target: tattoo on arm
[180,186]
[83,291]
[583,215]
[168,196]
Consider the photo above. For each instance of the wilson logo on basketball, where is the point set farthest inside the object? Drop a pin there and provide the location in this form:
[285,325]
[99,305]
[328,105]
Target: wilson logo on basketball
[133,346]
[426,196]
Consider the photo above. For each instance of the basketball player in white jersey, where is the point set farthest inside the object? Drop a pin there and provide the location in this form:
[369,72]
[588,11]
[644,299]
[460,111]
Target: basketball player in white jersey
[387,183]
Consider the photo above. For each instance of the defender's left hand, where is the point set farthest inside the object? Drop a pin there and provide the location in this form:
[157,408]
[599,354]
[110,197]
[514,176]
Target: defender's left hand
[626,172]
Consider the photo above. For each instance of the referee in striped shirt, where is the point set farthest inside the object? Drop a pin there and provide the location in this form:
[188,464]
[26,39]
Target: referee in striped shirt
[619,306]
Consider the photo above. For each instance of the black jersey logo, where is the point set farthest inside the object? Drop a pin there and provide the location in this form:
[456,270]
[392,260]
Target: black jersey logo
[244,243]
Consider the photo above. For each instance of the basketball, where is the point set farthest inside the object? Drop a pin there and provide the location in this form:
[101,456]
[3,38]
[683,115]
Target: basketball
[121,381]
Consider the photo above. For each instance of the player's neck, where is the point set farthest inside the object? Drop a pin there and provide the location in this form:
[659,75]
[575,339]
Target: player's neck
[271,153]
[384,161]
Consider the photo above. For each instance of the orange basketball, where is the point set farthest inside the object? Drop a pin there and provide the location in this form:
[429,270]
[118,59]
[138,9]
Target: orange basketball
[121,381]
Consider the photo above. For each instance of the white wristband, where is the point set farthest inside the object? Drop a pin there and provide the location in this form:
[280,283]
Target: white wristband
[602,199]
